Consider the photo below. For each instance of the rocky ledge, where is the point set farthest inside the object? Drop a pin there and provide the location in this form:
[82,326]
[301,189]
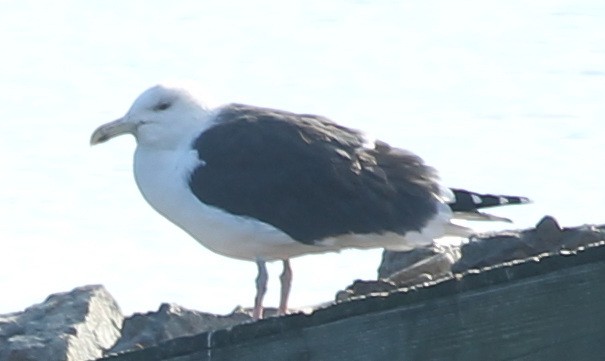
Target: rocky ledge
[86,323]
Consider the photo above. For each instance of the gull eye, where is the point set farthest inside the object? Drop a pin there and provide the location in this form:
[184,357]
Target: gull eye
[162,106]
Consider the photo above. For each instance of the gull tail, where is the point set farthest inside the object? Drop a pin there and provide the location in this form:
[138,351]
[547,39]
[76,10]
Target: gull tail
[466,205]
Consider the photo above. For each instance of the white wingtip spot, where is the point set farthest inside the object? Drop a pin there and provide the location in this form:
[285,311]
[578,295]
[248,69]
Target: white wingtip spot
[503,200]
[476,199]
[446,195]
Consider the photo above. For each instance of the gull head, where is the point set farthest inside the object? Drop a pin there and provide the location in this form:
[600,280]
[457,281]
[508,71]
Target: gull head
[161,117]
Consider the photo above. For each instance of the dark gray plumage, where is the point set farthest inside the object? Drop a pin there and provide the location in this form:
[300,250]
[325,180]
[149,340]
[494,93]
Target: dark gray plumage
[309,177]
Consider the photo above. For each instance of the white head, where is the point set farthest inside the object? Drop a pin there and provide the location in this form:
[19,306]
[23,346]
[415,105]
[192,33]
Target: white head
[160,117]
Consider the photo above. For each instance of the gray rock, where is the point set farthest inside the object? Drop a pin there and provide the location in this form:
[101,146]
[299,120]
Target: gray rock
[171,321]
[72,326]
[547,237]
[404,269]
[359,288]
[393,262]
[427,269]
[484,250]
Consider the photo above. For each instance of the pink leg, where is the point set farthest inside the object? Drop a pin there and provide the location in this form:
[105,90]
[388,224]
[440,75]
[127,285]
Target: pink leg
[286,283]
[261,289]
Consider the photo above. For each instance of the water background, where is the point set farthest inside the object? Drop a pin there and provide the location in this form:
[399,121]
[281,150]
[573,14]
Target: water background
[505,97]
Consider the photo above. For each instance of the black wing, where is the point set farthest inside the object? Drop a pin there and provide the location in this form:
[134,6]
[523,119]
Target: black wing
[466,205]
[310,177]
[467,201]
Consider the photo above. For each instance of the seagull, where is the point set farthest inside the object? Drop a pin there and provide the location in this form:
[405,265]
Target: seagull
[262,185]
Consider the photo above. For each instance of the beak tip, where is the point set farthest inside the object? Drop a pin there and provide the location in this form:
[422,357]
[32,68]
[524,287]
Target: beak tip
[96,141]
[97,138]
[110,130]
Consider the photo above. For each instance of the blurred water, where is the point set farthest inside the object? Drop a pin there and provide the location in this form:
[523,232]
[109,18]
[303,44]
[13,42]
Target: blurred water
[499,96]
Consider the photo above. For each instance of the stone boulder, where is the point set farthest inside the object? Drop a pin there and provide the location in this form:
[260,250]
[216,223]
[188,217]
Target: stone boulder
[71,326]
[171,321]
[405,269]
[490,249]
